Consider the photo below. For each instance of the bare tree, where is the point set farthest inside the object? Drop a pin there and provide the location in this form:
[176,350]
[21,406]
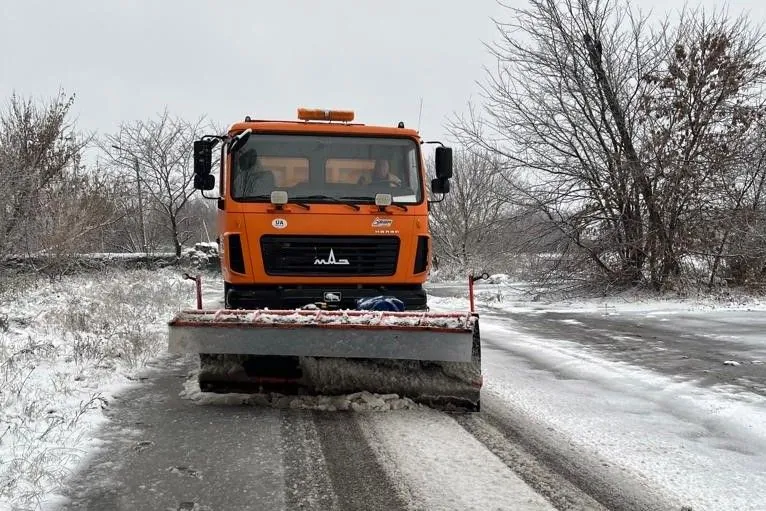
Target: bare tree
[698,124]
[37,146]
[79,206]
[125,235]
[464,225]
[735,233]
[51,205]
[203,215]
[161,149]
[561,110]
[625,136]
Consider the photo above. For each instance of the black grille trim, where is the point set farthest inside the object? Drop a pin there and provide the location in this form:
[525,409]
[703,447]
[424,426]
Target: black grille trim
[421,255]
[236,257]
[296,255]
[288,296]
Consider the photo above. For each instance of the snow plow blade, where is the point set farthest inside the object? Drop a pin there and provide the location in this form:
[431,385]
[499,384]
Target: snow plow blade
[431,358]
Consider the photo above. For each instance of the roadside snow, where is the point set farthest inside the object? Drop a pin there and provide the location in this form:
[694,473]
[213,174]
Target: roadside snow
[705,447]
[66,348]
[504,293]
[628,427]
[445,304]
[704,316]
[514,301]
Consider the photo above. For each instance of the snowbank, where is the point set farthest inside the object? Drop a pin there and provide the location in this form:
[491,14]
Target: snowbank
[503,292]
[202,255]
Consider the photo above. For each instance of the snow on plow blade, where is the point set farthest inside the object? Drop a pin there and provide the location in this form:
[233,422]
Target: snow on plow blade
[432,358]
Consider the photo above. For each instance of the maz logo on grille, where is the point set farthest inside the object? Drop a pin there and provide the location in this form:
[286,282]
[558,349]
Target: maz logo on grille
[331,259]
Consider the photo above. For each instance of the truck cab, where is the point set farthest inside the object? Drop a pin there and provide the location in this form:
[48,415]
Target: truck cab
[321,210]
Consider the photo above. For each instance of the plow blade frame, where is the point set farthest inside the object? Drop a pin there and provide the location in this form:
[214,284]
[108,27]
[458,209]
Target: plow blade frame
[444,337]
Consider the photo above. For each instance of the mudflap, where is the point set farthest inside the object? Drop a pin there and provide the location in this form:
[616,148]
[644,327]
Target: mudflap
[446,385]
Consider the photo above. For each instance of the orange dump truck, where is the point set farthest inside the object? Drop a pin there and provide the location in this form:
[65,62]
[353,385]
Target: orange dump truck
[324,240]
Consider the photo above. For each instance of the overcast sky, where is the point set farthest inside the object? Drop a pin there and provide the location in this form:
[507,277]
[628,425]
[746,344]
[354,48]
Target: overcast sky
[128,60]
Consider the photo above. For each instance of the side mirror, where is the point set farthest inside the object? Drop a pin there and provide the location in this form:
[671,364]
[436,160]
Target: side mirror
[440,185]
[443,162]
[203,159]
[206,182]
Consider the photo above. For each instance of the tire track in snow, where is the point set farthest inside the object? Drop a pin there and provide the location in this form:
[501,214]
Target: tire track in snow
[443,466]
[558,460]
[559,491]
[215,452]
[307,480]
[357,478]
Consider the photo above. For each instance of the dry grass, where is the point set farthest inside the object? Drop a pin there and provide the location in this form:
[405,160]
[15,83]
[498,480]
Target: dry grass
[61,345]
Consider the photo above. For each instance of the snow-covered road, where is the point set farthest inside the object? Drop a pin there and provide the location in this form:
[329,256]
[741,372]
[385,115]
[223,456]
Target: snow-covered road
[643,406]
[633,438]
[162,450]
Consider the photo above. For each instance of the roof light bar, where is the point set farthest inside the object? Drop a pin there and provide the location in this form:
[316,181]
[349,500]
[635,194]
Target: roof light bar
[318,114]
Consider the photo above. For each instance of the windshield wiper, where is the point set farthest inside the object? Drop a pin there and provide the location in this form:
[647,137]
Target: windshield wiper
[328,198]
[359,197]
[259,196]
[372,199]
[264,196]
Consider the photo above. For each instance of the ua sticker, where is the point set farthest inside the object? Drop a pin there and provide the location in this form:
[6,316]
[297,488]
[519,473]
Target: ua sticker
[279,223]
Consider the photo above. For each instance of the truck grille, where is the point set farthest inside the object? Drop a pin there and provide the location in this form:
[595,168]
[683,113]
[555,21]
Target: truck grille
[330,255]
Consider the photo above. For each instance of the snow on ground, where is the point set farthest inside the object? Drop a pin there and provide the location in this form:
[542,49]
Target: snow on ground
[504,292]
[66,348]
[703,315]
[706,447]
[443,466]
[703,447]
[444,304]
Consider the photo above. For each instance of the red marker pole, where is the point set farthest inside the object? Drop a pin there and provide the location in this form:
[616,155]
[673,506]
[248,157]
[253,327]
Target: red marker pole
[471,280]
[470,290]
[198,284]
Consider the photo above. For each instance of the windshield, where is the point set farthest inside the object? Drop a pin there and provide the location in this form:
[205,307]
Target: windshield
[334,167]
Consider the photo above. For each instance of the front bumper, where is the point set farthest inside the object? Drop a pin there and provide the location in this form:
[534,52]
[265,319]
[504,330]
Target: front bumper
[335,297]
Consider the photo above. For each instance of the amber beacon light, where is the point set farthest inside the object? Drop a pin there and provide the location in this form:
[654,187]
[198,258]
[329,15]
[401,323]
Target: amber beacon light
[319,114]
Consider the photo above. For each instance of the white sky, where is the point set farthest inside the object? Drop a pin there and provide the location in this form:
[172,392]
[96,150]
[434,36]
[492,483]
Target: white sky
[128,60]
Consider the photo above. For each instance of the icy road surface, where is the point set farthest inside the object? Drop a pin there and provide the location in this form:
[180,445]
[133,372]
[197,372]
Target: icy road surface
[167,448]
[644,406]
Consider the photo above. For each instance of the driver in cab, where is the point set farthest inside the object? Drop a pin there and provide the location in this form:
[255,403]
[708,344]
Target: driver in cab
[381,174]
